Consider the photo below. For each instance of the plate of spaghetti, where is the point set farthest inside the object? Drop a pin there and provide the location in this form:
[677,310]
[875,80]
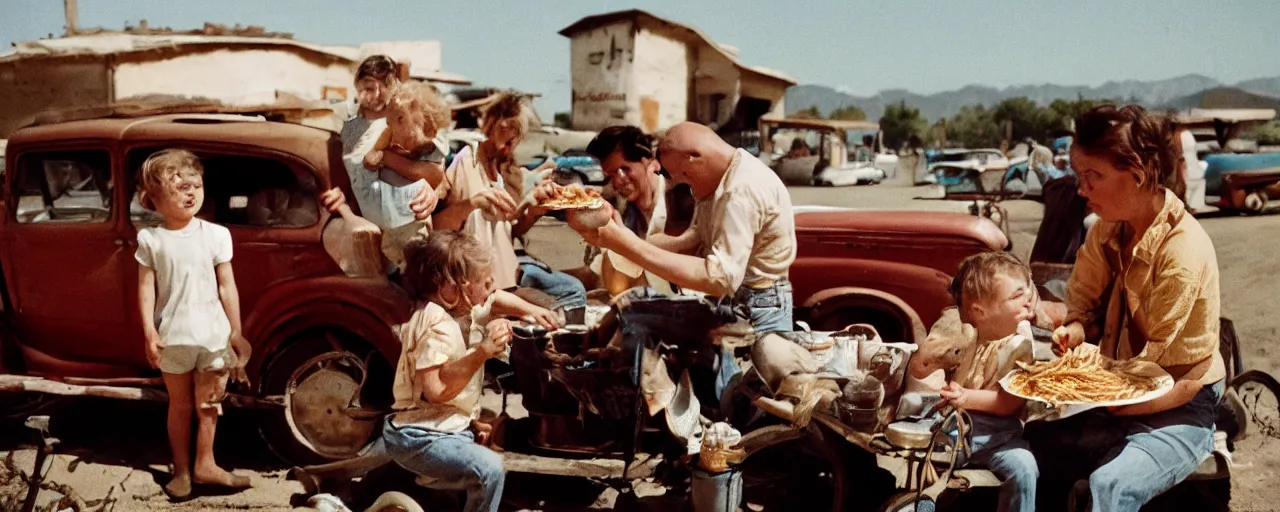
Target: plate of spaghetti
[1084,377]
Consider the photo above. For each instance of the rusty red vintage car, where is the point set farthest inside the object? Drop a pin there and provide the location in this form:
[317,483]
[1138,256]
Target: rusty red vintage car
[68,234]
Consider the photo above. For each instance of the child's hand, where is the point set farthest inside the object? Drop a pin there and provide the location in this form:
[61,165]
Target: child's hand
[154,346]
[373,160]
[243,351]
[954,394]
[496,203]
[497,337]
[1068,337]
[483,432]
[333,199]
[424,202]
[544,317]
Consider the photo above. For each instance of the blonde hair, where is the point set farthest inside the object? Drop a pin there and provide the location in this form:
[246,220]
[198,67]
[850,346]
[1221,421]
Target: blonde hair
[159,170]
[444,258]
[975,280]
[422,97]
[508,106]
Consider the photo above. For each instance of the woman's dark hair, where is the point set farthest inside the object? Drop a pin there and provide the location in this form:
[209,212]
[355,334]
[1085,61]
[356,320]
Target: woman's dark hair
[1131,138]
[378,67]
[634,144]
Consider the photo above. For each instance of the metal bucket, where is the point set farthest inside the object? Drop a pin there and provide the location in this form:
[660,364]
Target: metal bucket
[719,492]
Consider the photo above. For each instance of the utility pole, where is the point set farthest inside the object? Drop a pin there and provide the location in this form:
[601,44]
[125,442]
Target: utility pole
[73,16]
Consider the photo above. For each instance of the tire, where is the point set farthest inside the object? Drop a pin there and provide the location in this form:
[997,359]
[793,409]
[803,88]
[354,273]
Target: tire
[1259,394]
[808,473]
[318,384]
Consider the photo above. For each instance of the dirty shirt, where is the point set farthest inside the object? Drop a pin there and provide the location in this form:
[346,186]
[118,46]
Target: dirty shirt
[983,364]
[1166,308]
[747,227]
[464,179]
[383,196]
[188,309]
[430,339]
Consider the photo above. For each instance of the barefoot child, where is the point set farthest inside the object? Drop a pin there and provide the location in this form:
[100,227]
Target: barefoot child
[997,300]
[190,313]
[441,369]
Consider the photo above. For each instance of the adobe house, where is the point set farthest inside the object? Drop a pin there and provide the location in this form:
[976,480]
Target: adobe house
[231,66]
[631,67]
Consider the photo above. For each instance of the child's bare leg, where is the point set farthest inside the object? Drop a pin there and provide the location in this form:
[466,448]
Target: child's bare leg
[180,387]
[209,388]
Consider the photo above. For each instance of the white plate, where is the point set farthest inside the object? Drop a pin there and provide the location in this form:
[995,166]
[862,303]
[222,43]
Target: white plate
[1044,410]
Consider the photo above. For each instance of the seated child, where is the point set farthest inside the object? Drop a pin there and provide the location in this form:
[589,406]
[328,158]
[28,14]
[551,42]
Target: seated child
[416,121]
[995,300]
[440,373]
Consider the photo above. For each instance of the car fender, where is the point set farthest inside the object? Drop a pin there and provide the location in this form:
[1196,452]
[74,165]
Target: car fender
[924,289]
[367,308]
[845,296]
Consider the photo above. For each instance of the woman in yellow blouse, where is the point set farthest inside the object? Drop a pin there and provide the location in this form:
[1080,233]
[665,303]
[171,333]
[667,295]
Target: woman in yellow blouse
[1145,286]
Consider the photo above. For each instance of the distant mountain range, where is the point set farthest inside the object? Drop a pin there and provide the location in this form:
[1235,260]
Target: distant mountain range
[1177,92]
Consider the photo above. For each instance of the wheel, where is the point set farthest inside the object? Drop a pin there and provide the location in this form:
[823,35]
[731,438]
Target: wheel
[1256,201]
[1260,397]
[804,474]
[906,502]
[319,373]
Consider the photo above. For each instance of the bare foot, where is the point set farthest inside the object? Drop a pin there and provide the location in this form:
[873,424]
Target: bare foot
[179,488]
[219,476]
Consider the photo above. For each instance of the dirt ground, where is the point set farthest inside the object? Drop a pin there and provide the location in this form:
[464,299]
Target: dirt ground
[117,452]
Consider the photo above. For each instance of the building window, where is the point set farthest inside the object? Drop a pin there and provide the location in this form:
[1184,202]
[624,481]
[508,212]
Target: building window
[63,187]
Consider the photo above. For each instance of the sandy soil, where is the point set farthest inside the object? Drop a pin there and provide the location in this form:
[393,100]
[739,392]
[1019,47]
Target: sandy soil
[117,451]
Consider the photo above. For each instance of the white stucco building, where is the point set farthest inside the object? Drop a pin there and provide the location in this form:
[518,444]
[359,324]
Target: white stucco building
[631,67]
[89,70]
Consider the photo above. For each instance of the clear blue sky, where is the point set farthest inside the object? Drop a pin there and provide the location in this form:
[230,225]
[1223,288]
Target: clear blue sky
[857,46]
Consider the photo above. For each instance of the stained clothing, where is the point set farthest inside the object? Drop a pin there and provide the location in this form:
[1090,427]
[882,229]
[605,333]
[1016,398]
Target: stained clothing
[1166,308]
[747,228]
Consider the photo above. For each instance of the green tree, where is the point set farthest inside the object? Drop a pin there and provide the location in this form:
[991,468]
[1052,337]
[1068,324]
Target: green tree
[1027,118]
[1268,134]
[848,113]
[900,123]
[974,127]
[808,113]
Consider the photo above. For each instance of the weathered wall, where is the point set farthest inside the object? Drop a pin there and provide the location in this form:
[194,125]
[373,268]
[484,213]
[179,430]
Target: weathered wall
[601,66]
[756,86]
[27,88]
[716,85]
[238,77]
[660,80]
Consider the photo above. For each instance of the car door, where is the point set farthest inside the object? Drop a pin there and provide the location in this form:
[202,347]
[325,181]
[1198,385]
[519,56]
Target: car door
[65,259]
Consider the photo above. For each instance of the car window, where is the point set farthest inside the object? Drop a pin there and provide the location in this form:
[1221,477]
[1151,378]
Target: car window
[244,190]
[63,187]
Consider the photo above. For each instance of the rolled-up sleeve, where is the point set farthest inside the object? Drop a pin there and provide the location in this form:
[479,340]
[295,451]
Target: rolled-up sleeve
[731,247]
[1090,278]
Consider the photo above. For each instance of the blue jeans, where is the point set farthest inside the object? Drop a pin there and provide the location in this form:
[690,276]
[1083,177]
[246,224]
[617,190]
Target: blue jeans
[770,307]
[567,290]
[770,312]
[998,445]
[1161,450]
[453,460]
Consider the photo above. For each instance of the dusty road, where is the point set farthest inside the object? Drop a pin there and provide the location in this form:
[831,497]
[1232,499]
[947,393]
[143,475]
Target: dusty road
[118,451]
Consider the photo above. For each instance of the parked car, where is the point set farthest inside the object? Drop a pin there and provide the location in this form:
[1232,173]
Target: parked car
[831,163]
[70,323]
[69,230]
[573,166]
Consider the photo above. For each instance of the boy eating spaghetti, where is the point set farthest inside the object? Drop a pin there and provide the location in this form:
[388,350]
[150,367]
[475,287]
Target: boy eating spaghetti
[995,296]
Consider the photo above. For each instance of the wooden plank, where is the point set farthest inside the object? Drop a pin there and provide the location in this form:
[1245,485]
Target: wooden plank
[586,468]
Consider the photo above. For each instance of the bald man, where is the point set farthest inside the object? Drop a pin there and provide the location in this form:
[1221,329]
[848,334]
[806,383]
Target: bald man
[743,231]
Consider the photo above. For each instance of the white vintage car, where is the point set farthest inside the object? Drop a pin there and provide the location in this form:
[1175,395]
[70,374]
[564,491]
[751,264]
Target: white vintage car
[816,151]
